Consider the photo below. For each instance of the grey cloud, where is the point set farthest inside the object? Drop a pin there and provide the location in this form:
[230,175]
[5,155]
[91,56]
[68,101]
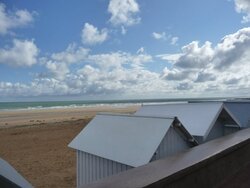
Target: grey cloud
[184,86]
[178,76]
[232,49]
[204,77]
[232,81]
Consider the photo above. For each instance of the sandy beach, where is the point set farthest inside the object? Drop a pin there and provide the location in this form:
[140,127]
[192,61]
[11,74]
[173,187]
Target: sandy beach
[35,142]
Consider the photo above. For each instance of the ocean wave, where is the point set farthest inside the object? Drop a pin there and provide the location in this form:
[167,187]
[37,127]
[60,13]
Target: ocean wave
[120,105]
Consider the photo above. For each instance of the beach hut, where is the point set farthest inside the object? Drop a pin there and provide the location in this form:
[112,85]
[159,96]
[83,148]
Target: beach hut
[240,110]
[205,120]
[110,144]
[10,178]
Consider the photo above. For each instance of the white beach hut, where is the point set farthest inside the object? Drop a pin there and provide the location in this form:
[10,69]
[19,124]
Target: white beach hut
[240,110]
[205,120]
[10,178]
[110,144]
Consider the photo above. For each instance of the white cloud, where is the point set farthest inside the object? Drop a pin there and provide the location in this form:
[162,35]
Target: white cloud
[72,54]
[194,56]
[164,37]
[110,60]
[91,35]
[233,49]
[23,53]
[172,58]
[140,50]
[118,59]
[159,36]
[199,70]
[57,69]
[124,12]
[105,74]
[174,40]
[243,6]
[123,30]
[11,20]
[212,70]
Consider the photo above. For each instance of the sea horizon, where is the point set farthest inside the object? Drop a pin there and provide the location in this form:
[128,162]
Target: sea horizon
[33,105]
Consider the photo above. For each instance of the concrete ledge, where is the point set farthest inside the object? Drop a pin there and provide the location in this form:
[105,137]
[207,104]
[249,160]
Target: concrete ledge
[206,165]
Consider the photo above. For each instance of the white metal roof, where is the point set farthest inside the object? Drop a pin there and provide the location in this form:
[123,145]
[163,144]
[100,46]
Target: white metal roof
[129,140]
[240,111]
[8,172]
[197,118]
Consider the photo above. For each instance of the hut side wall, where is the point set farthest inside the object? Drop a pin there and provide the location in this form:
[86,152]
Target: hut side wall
[171,144]
[230,130]
[220,130]
[216,131]
[91,168]
[199,139]
[241,111]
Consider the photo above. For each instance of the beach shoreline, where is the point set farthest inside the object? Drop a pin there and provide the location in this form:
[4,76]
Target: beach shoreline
[35,142]
[29,117]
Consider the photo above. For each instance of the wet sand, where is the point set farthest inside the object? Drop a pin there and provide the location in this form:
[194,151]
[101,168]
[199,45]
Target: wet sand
[35,142]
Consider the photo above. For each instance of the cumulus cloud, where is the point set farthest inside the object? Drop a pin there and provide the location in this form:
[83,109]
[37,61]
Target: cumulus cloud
[123,30]
[102,74]
[140,50]
[208,68]
[174,40]
[91,35]
[194,56]
[199,69]
[109,60]
[124,12]
[22,53]
[164,37]
[11,20]
[72,54]
[159,36]
[233,49]
[243,6]
[118,59]
[170,57]
[205,77]
[57,69]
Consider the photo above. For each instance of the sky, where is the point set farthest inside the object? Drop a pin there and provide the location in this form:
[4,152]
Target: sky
[124,49]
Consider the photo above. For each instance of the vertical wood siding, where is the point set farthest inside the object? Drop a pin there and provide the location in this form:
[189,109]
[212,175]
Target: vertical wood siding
[230,130]
[216,131]
[220,130]
[171,144]
[91,168]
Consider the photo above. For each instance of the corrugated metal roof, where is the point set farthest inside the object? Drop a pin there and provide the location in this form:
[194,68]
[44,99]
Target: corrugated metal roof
[8,172]
[130,140]
[197,118]
[240,111]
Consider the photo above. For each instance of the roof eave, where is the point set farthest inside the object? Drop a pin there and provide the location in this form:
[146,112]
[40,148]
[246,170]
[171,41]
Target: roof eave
[182,128]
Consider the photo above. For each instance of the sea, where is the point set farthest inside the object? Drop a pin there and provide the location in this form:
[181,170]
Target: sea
[7,106]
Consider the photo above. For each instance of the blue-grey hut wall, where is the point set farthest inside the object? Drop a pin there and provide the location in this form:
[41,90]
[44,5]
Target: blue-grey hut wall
[91,168]
[199,139]
[219,129]
[230,130]
[216,131]
[241,111]
[171,144]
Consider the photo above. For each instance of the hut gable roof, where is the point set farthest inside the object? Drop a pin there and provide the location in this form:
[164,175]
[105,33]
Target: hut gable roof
[9,173]
[130,140]
[198,118]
